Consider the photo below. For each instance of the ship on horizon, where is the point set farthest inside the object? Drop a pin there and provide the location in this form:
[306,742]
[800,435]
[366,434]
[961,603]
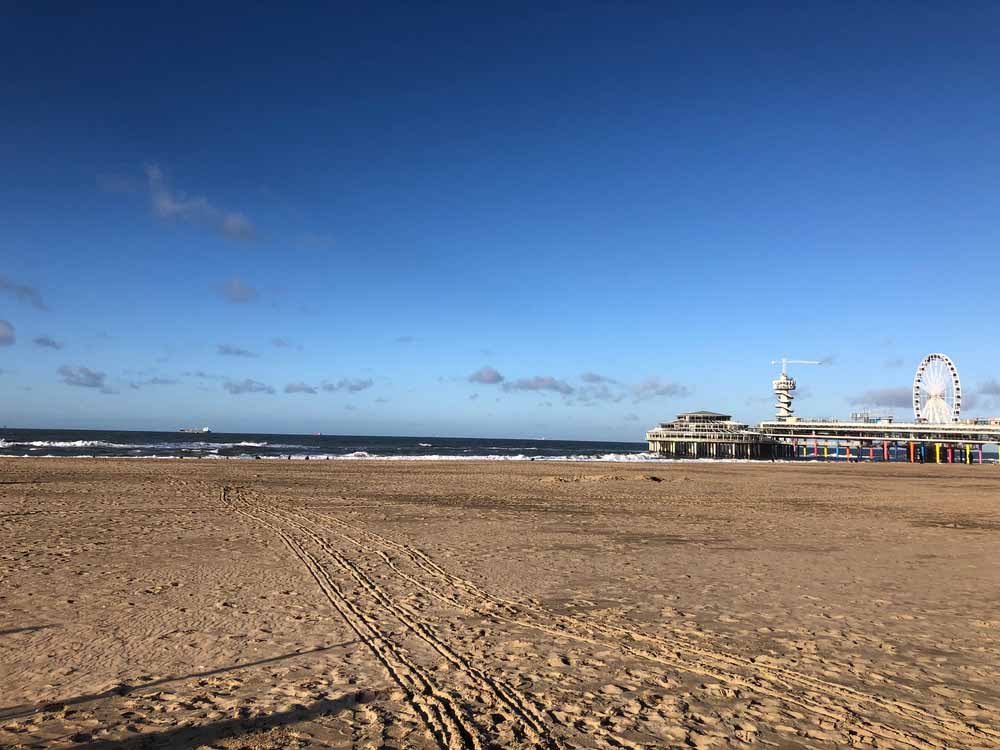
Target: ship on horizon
[200,430]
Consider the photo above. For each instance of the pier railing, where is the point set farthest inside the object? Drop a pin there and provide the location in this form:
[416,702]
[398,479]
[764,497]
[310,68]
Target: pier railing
[920,432]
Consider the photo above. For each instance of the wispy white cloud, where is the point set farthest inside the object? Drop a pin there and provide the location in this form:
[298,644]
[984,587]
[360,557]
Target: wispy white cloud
[899,398]
[990,387]
[596,387]
[238,387]
[23,293]
[654,387]
[137,384]
[227,350]
[84,377]
[174,205]
[47,342]
[300,388]
[539,383]
[351,385]
[593,377]
[238,291]
[602,391]
[486,375]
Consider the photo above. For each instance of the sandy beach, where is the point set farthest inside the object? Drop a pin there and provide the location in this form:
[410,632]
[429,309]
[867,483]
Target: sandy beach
[272,604]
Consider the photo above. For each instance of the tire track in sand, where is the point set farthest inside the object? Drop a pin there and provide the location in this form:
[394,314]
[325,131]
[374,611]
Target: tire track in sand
[514,706]
[443,719]
[838,701]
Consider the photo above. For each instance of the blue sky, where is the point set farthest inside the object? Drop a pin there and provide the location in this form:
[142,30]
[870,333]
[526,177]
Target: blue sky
[623,210]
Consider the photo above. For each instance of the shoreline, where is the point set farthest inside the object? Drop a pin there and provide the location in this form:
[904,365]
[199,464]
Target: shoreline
[644,461]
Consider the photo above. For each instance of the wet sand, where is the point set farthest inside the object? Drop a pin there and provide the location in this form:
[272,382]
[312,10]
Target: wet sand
[254,604]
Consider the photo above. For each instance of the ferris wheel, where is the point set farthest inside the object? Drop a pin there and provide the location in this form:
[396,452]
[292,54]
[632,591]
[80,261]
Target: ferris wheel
[937,391]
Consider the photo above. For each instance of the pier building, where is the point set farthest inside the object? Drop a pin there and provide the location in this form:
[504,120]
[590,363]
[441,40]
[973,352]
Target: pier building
[937,434]
[708,434]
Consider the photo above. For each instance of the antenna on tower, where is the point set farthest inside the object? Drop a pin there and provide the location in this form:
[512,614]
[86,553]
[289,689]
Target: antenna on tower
[785,384]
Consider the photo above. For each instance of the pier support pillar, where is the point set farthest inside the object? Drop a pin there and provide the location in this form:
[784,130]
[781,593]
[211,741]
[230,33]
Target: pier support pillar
[911,453]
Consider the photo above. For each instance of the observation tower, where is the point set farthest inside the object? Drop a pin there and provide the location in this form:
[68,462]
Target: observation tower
[785,384]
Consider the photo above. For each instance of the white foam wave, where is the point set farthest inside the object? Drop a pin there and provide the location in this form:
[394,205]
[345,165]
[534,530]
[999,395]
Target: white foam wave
[64,444]
[366,456]
[193,445]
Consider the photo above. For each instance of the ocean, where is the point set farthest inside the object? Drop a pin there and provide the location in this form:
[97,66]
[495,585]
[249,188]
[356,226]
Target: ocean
[221,445]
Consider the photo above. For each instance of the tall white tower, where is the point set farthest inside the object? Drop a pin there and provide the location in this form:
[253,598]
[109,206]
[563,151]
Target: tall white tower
[783,388]
[785,384]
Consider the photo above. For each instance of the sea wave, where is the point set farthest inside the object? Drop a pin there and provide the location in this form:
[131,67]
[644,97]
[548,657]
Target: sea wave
[366,456]
[167,445]
[244,447]
[64,444]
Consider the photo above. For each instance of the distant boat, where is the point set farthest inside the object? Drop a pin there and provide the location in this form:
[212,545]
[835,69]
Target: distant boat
[201,430]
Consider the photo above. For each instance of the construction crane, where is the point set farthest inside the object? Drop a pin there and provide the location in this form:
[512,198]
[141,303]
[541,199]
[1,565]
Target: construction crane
[785,361]
[784,385]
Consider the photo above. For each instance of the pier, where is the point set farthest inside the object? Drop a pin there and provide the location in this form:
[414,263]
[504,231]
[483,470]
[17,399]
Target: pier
[705,434]
[708,434]
[936,436]
[915,442]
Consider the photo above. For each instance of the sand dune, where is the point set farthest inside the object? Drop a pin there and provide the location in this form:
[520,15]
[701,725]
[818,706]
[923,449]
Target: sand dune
[185,604]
